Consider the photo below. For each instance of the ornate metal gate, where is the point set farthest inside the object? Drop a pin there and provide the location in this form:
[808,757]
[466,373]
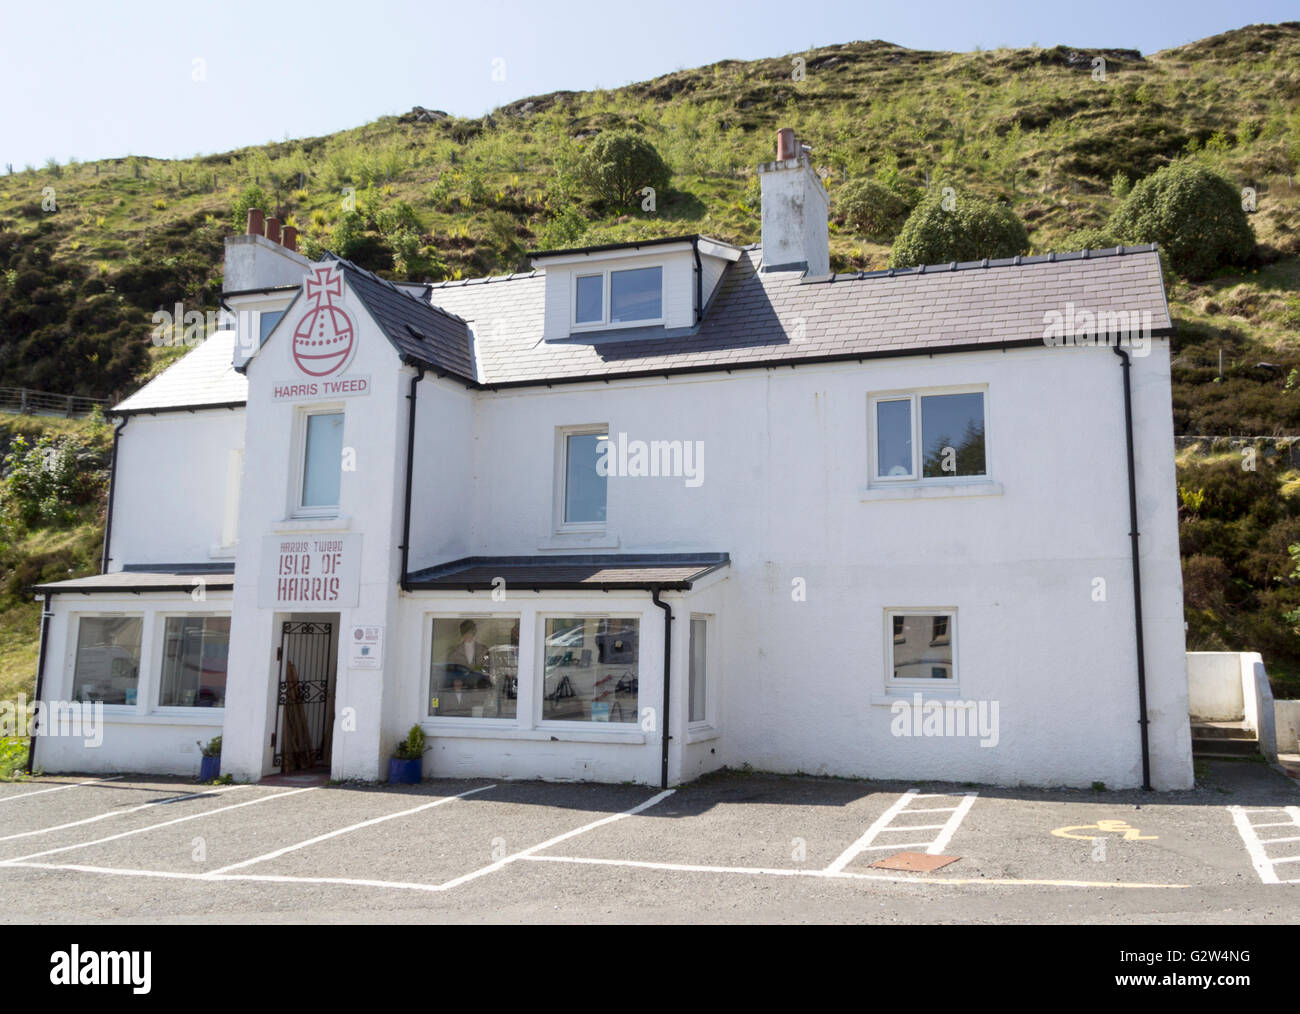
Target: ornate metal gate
[304,712]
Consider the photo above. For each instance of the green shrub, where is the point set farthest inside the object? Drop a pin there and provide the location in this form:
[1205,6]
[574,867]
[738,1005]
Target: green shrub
[564,230]
[348,234]
[413,746]
[969,229]
[871,209]
[44,483]
[1090,239]
[1195,215]
[618,164]
[397,218]
[252,196]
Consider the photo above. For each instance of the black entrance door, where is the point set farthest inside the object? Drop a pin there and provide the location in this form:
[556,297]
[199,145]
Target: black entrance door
[305,703]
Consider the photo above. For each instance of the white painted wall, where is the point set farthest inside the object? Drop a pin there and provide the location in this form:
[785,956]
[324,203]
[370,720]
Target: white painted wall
[370,503]
[1214,686]
[795,215]
[785,461]
[137,738]
[172,486]
[1287,722]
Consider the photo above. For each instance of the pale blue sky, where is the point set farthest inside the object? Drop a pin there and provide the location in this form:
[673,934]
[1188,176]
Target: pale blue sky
[96,80]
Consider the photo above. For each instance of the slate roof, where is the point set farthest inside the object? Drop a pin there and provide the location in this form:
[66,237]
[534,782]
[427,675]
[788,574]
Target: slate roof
[487,332]
[421,332]
[202,378]
[780,317]
[668,571]
[150,578]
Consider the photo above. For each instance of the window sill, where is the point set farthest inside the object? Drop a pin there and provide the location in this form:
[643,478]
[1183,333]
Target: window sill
[916,491]
[908,696]
[702,734]
[210,717]
[579,540]
[444,729]
[337,523]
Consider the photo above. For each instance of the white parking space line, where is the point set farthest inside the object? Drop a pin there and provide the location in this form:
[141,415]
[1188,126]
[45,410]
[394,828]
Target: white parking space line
[900,806]
[221,874]
[653,800]
[1257,847]
[344,830]
[59,788]
[209,877]
[154,827]
[121,813]
[829,874]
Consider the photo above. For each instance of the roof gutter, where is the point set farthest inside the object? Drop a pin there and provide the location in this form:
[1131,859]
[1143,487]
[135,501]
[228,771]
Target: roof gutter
[410,469]
[699,279]
[668,670]
[112,494]
[46,615]
[1143,722]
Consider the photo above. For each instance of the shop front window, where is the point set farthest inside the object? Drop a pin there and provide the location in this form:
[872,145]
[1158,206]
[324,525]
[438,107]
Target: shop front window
[590,669]
[474,671]
[194,662]
[107,666]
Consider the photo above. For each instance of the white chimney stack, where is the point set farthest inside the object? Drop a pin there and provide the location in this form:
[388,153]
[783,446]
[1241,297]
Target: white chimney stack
[795,211]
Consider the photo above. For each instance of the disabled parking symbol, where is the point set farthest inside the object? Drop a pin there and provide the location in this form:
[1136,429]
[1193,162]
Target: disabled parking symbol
[1104,827]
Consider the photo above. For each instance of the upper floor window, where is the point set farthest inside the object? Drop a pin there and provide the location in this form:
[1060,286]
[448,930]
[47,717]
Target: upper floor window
[266,321]
[631,296]
[581,481]
[928,436]
[322,461]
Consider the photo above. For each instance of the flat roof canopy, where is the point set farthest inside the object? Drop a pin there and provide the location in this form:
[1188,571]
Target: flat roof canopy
[133,580]
[665,571]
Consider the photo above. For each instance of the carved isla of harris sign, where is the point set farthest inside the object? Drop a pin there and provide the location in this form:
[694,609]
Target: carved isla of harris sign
[315,572]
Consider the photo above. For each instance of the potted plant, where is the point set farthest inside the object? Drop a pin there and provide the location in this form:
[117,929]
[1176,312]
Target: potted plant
[210,765]
[407,763]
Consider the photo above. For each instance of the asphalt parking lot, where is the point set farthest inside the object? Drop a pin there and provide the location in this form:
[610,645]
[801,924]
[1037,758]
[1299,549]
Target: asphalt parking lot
[730,848]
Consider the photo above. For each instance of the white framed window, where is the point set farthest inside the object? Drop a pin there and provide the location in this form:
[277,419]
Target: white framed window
[194,652]
[580,488]
[618,297]
[319,471]
[266,321]
[590,665]
[921,647]
[474,667]
[928,436]
[700,677]
[106,663]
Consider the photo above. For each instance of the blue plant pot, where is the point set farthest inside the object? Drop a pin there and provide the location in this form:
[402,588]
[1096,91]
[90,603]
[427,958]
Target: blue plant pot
[209,768]
[405,772]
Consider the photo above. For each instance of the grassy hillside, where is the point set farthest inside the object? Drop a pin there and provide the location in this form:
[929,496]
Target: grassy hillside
[88,251]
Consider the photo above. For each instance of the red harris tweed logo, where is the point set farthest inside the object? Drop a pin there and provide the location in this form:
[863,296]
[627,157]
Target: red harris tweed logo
[323,339]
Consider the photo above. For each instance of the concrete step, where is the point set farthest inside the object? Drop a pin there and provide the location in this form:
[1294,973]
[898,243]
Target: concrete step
[1222,730]
[1219,746]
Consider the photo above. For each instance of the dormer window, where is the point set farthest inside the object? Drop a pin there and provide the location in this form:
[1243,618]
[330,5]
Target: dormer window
[619,298]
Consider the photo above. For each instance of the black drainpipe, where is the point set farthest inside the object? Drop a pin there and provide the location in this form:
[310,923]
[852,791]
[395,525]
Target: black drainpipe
[112,491]
[1143,721]
[410,468]
[668,668]
[40,680]
[699,282]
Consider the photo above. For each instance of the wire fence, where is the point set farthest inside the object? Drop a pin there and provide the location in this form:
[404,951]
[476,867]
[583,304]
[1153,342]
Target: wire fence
[27,402]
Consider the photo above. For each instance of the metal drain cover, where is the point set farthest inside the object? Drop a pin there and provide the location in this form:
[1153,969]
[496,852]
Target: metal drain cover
[914,862]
